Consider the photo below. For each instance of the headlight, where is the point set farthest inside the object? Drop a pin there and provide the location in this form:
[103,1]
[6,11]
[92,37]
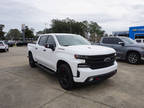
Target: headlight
[80,56]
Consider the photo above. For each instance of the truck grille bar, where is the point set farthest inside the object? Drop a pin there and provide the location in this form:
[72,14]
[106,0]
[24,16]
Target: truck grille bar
[100,61]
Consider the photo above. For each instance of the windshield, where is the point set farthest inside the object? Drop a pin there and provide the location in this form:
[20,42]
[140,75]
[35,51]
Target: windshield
[70,40]
[128,41]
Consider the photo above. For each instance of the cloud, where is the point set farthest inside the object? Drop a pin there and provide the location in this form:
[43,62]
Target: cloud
[112,15]
[13,14]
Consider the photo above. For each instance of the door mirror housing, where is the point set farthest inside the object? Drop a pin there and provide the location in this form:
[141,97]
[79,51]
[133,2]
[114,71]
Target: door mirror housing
[51,46]
[121,43]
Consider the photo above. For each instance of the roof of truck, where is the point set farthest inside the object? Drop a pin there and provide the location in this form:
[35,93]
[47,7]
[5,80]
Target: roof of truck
[57,34]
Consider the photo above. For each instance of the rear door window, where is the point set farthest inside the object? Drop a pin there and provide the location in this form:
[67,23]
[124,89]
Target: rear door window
[111,40]
[108,41]
[105,41]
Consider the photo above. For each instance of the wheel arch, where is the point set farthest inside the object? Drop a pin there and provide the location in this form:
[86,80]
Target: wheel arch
[29,52]
[130,51]
[60,62]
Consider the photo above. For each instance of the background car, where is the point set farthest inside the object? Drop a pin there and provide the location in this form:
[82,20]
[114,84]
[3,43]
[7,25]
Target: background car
[21,43]
[11,43]
[3,46]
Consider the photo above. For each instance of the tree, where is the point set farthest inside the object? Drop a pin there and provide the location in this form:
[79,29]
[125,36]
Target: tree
[28,32]
[96,31]
[83,28]
[68,26]
[46,30]
[13,34]
[1,32]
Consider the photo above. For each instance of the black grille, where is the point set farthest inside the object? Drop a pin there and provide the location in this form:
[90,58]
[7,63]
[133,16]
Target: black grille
[100,61]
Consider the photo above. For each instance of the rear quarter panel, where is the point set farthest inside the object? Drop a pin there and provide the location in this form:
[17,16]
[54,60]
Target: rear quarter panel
[31,48]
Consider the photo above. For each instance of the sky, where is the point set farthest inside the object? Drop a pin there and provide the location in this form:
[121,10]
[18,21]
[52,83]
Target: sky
[111,15]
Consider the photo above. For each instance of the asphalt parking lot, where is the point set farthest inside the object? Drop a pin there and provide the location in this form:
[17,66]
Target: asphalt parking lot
[25,87]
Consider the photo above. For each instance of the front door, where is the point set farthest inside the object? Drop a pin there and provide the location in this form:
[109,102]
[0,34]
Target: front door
[119,48]
[49,54]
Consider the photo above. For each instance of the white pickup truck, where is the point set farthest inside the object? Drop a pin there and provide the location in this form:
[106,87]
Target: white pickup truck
[72,58]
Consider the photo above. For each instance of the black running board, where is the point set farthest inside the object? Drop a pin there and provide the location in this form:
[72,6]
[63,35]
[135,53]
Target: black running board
[45,69]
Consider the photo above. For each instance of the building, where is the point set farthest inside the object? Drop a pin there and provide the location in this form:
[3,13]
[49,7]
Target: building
[121,33]
[135,33]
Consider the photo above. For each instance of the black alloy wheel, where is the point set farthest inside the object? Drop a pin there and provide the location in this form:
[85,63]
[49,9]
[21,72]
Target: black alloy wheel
[65,77]
[133,58]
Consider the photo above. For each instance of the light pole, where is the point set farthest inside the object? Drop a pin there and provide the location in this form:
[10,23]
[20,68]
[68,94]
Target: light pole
[45,28]
[23,32]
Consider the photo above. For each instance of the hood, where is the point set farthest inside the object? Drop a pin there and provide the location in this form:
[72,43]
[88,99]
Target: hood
[135,45]
[89,50]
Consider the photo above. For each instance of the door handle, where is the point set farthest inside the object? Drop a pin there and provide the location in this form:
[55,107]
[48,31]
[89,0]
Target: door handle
[44,49]
[36,48]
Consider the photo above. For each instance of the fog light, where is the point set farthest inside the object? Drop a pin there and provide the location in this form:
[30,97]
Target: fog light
[91,79]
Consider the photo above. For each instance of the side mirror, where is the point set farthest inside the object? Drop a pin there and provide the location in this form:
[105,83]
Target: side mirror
[121,43]
[51,46]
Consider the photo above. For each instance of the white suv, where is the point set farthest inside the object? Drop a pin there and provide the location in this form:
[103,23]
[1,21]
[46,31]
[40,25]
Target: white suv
[73,58]
[3,46]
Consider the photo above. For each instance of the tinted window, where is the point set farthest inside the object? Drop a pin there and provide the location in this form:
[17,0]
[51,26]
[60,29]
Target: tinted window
[139,41]
[42,40]
[116,40]
[111,40]
[107,41]
[51,40]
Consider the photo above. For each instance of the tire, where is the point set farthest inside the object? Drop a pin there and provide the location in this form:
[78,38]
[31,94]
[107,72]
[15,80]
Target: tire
[31,60]
[133,58]
[65,77]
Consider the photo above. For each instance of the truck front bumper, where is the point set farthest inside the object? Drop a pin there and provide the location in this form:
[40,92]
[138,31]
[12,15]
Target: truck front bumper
[87,74]
[2,48]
